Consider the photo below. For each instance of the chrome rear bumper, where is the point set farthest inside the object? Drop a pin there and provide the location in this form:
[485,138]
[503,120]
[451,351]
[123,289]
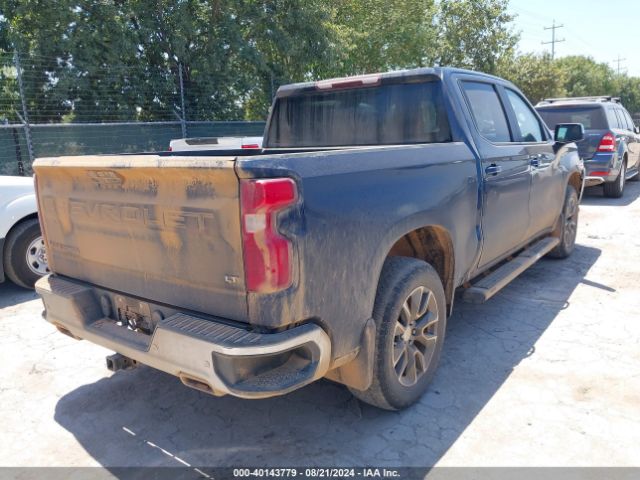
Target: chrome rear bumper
[211,356]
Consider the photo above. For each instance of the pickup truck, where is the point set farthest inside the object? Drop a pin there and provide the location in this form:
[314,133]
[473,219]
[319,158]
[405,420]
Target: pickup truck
[334,251]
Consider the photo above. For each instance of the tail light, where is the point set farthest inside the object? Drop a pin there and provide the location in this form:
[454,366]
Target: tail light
[608,143]
[250,145]
[268,262]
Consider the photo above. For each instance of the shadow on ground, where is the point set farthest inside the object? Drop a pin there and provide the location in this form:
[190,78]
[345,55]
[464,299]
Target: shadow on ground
[11,294]
[145,417]
[595,196]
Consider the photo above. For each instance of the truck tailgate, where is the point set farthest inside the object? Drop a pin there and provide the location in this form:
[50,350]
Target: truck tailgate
[159,228]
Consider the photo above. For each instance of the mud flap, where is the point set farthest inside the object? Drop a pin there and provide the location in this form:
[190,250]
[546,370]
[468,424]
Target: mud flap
[358,373]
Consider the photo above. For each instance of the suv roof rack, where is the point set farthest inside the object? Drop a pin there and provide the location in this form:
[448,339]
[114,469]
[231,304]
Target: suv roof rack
[598,98]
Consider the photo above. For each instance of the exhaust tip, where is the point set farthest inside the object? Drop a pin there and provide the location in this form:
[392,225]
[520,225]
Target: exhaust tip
[65,331]
[196,384]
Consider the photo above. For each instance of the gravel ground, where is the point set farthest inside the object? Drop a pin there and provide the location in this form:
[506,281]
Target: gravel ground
[545,373]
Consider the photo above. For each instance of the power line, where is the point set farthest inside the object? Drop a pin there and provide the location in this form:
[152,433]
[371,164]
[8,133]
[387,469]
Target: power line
[553,41]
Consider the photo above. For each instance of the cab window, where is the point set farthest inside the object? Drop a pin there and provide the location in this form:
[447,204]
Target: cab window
[528,124]
[487,111]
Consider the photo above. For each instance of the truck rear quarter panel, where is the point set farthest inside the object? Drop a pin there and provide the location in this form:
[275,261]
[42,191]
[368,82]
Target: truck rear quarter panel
[355,205]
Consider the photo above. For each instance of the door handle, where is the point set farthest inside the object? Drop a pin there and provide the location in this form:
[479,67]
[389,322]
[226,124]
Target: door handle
[493,169]
[534,160]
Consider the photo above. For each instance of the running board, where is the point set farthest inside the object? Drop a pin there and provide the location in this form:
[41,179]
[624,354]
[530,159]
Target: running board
[488,286]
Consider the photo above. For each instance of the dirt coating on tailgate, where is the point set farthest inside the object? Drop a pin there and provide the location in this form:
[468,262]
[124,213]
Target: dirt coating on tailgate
[165,229]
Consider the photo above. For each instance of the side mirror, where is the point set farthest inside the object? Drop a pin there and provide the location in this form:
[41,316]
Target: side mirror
[636,129]
[568,132]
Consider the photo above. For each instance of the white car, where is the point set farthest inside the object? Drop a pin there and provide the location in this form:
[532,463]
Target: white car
[23,259]
[214,143]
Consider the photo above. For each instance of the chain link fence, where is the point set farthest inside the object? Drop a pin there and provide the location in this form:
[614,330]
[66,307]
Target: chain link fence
[47,110]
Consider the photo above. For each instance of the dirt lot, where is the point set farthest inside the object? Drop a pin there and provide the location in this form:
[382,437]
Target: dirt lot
[546,373]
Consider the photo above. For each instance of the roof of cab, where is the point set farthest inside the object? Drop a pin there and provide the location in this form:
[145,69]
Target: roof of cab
[440,72]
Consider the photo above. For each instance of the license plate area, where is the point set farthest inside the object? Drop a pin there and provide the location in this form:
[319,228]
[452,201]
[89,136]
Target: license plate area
[135,315]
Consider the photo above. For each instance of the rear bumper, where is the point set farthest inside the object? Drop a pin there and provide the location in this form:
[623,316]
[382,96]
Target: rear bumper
[211,356]
[601,168]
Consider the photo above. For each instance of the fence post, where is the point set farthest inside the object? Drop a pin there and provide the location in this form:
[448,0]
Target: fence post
[24,117]
[183,113]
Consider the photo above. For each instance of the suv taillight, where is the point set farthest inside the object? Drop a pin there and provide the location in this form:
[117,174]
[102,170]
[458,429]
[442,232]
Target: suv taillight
[268,261]
[607,143]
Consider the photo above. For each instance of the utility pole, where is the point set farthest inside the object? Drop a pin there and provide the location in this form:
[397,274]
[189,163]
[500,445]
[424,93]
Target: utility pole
[619,61]
[553,41]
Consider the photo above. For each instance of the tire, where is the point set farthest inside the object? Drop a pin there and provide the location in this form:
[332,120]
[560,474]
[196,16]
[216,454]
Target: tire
[409,294]
[567,228]
[615,189]
[23,238]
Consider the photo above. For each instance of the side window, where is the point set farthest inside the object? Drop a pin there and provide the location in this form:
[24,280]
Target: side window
[621,120]
[487,111]
[530,128]
[612,118]
[629,120]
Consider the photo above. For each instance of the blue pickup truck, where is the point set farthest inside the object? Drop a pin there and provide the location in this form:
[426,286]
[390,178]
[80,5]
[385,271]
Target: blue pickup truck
[334,251]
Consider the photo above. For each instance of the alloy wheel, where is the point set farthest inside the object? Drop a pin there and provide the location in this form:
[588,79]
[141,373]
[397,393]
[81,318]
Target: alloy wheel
[570,221]
[415,336]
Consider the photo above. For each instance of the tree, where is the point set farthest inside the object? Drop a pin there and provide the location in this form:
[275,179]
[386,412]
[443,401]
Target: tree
[585,76]
[474,34]
[628,89]
[380,35]
[285,41]
[33,27]
[538,76]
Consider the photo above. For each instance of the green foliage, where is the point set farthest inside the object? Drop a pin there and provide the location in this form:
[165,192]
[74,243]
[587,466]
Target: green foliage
[379,35]
[85,60]
[585,76]
[628,89]
[113,60]
[474,34]
[536,75]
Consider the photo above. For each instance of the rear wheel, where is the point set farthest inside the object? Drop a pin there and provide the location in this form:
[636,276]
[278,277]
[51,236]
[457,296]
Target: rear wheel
[410,316]
[615,189]
[567,228]
[25,258]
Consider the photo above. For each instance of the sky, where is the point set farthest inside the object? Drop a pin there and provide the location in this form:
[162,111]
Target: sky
[603,30]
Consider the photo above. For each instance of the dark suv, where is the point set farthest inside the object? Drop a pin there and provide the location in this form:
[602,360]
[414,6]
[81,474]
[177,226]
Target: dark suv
[611,148]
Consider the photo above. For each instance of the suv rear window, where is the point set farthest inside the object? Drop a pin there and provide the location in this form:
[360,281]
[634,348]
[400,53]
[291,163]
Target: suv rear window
[383,115]
[593,118]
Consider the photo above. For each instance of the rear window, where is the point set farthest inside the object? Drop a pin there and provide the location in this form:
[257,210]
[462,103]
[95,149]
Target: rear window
[382,115]
[593,118]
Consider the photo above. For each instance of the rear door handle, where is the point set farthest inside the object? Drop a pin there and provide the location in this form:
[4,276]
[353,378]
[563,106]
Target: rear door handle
[493,169]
